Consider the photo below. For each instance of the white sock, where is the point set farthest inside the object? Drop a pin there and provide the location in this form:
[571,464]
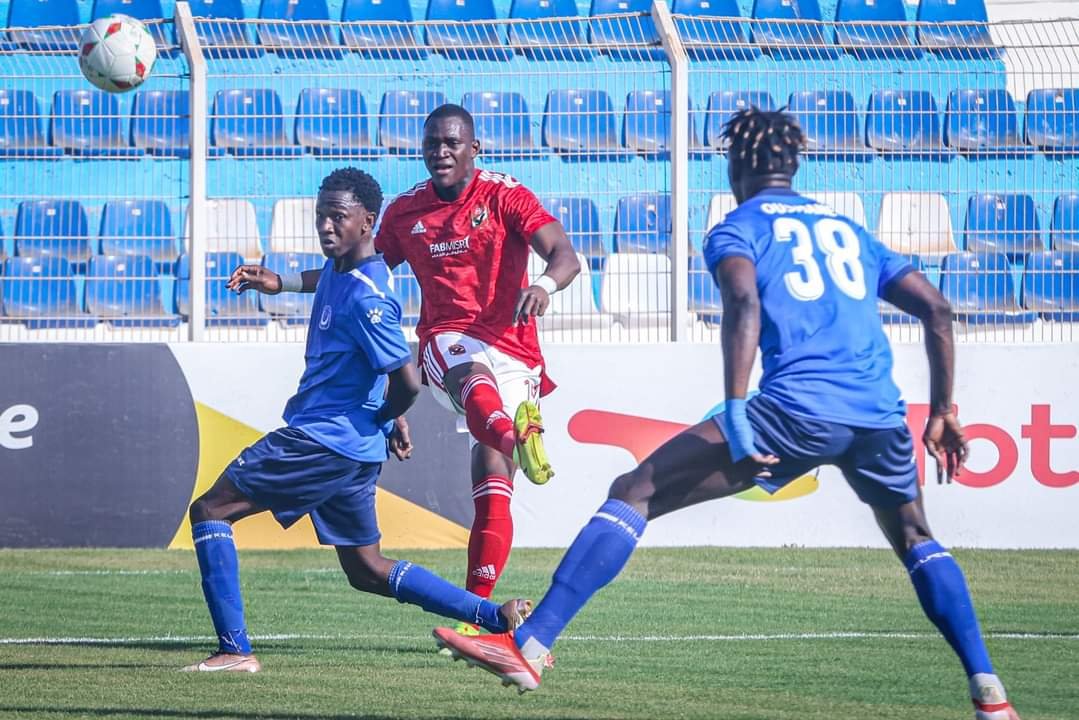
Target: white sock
[533,649]
[987,688]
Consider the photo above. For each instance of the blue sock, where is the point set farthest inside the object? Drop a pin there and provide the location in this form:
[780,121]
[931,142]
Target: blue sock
[595,558]
[942,590]
[220,570]
[419,586]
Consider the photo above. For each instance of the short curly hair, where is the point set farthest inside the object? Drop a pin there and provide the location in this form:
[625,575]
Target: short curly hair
[363,187]
[763,142]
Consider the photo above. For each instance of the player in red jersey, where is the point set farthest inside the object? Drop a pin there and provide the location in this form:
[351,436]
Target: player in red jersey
[466,234]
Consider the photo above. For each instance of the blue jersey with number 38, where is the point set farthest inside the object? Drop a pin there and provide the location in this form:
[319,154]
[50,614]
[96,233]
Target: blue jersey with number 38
[819,275]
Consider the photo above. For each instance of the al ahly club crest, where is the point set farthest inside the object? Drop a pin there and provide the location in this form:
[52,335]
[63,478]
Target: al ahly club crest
[479,215]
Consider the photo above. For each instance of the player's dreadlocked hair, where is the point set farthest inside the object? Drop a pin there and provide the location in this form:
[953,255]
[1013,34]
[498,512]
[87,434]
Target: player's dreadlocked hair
[763,142]
[362,186]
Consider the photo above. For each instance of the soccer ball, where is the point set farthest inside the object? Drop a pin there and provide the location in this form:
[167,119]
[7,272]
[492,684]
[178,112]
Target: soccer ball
[116,53]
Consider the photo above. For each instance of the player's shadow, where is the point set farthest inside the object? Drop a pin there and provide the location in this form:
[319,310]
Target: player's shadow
[72,666]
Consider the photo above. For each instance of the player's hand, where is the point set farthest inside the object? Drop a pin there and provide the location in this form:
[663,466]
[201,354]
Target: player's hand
[944,440]
[532,301]
[399,441]
[761,463]
[254,277]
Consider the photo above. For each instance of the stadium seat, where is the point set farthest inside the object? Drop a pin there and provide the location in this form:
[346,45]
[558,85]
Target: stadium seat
[401,116]
[138,227]
[707,38]
[292,229]
[88,123]
[803,40]
[575,305]
[161,124]
[980,289]
[1052,119]
[847,204]
[250,122]
[725,103]
[41,293]
[543,40]
[642,223]
[829,120]
[636,288]
[503,125]
[718,207]
[704,297]
[223,39]
[231,226]
[333,121]
[981,121]
[955,29]
[916,224]
[580,123]
[903,122]
[53,228]
[293,29]
[123,290]
[580,219]
[148,10]
[1065,226]
[460,30]
[290,308]
[376,29]
[223,307]
[646,125]
[61,15]
[855,33]
[20,126]
[1051,285]
[1003,223]
[624,38]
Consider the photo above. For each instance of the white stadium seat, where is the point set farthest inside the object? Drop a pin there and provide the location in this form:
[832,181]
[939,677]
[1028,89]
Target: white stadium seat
[293,226]
[230,226]
[636,288]
[916,224]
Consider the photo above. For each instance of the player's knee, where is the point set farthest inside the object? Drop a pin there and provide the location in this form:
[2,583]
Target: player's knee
[369,574]
[202,510]
[632,488]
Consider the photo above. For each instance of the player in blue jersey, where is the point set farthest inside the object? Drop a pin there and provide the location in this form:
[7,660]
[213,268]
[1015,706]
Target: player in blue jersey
[801,282]
[358,382]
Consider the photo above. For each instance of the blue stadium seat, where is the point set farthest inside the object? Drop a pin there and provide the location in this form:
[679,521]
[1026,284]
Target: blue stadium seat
[407,290]
[88,123]
[223,307]
[580,123]
[782,39]
[292,29]
[150,10]
[223,39]
[646,125]
[503,125]
[161,124]
[723,104]
[39,13]
[478,40]
[642,223]
[1003,223]
[290,308]
[1052,119]
[364,29]
[704,297]
[401,115]
[250,122]
[707,38]
[829,120]
[1065,227]
[873,41]
[981,121]
[618,32]
[580,219]
[903,122]
[542,40]
[20,126]
[333,121]
[52,228]
[41,293]
[123,290]
[980,288]
[955,29]
[1051,285]
[138,227]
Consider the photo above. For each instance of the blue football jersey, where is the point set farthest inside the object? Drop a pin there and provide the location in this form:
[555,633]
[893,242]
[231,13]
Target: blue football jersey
[354,339]
[819,275]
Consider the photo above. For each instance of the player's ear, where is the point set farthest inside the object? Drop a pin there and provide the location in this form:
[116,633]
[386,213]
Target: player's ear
[368,221]
[475,148]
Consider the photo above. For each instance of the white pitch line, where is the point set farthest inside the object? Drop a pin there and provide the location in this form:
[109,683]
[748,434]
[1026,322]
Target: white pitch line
[185,639]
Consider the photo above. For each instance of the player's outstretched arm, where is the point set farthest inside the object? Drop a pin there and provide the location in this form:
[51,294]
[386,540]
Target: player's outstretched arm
[267,282]
[551,244]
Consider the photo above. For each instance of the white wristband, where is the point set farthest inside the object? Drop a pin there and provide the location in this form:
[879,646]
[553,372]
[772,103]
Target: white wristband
[546,282]
[291,282]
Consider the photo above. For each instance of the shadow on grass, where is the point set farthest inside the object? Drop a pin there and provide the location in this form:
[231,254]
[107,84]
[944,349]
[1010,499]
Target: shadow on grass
[30,712]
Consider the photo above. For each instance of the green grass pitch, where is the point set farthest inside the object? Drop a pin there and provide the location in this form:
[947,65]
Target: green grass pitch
[709,633]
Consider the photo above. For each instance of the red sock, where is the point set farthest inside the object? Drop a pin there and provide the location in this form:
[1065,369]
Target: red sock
[492,534]
[487,421]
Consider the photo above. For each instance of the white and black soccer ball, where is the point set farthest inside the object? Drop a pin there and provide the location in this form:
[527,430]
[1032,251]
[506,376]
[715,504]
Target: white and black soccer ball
[116,53]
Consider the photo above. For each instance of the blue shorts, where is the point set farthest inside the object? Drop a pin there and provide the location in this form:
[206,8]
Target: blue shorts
[877,463]
[292,475]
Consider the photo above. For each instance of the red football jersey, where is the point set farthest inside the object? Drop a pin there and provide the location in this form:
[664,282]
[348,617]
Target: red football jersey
[470,257]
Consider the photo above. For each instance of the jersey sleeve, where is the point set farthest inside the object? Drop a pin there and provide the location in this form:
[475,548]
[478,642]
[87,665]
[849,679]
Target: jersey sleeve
[386,241]
[523,213]
[727,240]
[376,326]
[892,266]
